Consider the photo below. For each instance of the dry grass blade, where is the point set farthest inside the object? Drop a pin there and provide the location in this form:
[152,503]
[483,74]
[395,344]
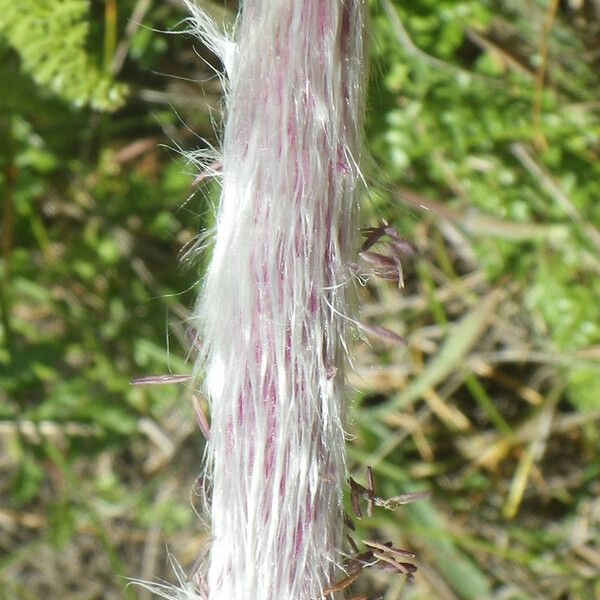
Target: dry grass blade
[160,379]
[456,346]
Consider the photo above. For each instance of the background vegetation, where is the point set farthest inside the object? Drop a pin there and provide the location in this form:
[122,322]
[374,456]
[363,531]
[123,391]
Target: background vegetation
[483,129]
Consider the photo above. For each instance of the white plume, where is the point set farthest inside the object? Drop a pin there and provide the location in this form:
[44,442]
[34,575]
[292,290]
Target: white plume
[273,310]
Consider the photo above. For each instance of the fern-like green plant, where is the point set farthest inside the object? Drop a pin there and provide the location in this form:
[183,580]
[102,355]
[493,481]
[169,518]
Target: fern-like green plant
[50,36]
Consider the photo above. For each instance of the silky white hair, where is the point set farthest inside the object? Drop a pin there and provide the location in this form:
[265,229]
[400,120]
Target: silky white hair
[273,312]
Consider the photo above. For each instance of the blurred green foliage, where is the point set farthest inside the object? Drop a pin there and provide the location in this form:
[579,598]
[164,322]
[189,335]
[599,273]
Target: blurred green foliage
[92,291]
[98,206]
[50,38]
[453,130]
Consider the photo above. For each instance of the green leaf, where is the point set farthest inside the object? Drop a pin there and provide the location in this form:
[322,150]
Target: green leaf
[27,481]
[50,38]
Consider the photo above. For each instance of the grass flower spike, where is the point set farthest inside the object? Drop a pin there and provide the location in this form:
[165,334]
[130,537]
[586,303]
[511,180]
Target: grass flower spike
[274,305]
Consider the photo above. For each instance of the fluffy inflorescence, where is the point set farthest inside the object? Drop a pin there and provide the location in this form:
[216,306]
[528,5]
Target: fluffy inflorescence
[273,310]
